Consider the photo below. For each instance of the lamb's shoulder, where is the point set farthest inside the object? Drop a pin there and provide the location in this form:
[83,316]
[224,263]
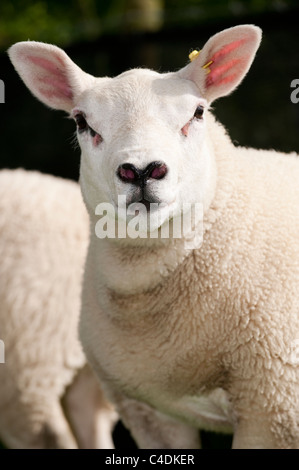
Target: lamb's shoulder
[267,182]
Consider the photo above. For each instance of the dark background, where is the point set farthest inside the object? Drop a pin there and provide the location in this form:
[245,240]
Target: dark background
[108,37]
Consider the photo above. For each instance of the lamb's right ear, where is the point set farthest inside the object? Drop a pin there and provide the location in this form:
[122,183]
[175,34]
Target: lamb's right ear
[49,73]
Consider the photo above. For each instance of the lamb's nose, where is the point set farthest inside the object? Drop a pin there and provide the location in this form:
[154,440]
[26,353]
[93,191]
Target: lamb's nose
[156,170]
[130,174]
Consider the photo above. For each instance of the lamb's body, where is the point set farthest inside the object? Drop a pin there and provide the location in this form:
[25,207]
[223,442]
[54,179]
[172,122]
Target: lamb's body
[207,322]
[43,241]
[184,338]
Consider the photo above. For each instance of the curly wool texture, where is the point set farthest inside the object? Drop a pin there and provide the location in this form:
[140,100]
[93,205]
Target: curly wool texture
[43,242]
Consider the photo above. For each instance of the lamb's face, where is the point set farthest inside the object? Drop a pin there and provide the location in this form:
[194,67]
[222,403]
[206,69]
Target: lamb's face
[142,136]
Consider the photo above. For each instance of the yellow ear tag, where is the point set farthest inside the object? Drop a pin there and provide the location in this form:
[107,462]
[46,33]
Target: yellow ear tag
[206,66]
[193,55]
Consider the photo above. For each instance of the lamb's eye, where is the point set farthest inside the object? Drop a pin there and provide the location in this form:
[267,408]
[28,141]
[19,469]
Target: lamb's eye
[81,122]
[92,132]
[83,126]
[199,112]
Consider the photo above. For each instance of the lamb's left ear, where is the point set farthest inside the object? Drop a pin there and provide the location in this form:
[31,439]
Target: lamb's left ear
[224,61]
[49,73]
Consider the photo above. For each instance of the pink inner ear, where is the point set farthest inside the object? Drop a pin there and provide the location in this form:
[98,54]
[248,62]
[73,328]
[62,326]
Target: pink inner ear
[58,87]
[216,75]
[54,77]
[45,64]
[225,50]
[221,64]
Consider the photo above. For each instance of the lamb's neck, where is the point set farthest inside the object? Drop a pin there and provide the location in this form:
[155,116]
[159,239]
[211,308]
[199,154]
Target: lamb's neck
[133,269]
[224,154]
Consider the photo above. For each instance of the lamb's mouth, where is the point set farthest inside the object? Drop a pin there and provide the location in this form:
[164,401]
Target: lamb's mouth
[149,205]
[146,203]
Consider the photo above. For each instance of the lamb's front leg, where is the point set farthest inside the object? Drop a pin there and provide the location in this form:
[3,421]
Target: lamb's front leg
[251,434]
[154,430]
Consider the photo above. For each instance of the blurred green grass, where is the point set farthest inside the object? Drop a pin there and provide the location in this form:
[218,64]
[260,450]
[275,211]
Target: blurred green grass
[76,21]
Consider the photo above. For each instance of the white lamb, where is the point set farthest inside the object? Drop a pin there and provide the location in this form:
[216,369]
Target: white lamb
[49,397]
[184,338]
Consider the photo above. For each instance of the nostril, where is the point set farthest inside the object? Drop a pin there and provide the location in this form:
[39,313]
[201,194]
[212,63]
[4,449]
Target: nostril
[127,173]
[157,170]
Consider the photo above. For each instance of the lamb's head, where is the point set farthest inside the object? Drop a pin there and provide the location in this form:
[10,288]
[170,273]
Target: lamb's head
[142,134]
[136,139]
